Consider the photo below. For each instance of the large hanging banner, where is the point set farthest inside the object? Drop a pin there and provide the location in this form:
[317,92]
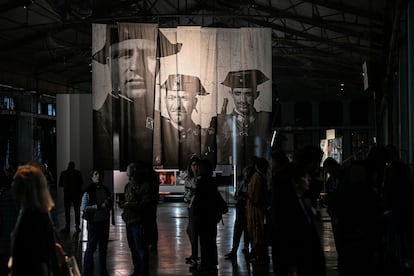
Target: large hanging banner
[203,91]
[123,93]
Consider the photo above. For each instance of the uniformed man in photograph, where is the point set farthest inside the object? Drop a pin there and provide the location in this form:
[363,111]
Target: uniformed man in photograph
[124,123]
[244,132]
[181,137]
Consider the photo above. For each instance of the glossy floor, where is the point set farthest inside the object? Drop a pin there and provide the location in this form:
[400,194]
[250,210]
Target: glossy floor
[174,247]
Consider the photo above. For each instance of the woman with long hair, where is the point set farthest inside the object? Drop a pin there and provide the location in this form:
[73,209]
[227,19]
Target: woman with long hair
[33,240]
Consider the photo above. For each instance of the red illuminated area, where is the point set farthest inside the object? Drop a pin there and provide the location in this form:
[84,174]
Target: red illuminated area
[166,179]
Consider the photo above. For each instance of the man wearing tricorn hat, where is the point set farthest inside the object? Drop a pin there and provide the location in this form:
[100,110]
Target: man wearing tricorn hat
[181,137]
[243,133]
[124,123]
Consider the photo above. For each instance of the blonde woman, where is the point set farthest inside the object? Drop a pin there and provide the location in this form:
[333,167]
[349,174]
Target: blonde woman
[33,241]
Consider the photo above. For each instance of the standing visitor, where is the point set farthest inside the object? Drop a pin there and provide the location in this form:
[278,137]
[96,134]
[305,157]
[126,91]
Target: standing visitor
[97,202]
[72,182]
[138,199]
[206,216]
[256,207]
[298,249]
[240,223]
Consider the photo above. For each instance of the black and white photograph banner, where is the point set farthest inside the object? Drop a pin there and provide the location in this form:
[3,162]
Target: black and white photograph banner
[161,95]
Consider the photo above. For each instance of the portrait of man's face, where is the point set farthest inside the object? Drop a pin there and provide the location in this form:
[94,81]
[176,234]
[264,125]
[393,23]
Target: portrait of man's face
[243,99]
[133,66]
[180,105]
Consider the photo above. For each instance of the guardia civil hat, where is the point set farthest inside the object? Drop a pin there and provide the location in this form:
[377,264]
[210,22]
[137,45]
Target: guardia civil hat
[180,82]
[126,31]
[244,78]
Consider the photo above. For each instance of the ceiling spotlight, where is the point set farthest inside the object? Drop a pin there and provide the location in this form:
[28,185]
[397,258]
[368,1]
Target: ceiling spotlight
[342,84]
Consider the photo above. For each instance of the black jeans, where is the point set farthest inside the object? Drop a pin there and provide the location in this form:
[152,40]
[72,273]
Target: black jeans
[240,228]
[208,244]
[98,234]
[68,201]
[139,249]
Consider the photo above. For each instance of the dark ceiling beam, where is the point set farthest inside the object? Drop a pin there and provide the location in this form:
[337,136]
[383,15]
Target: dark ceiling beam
[349,47]
[15,77]
[30,38]
[283,72]
[377,28]
[318,67]
[320,23]
[347,9]
[37,34]
[206,6]
[305,60]
[34,8]
[292,44]
[233,5]
[38,8]
[9,6]
[21,25]
[311,62]
[154,5]
[308,64]
[77,57]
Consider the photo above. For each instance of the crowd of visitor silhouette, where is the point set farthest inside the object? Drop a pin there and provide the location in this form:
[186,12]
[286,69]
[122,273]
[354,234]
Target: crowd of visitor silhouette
[278,214]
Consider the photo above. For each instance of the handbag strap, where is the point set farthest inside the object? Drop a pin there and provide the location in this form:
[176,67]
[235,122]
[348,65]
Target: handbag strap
[59,258]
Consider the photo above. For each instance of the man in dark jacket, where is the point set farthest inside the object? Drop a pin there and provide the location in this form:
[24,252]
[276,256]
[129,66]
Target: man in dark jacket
[71,180]
[137,205]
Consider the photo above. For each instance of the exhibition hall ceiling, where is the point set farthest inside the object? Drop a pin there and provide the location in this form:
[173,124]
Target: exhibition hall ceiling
[46,44]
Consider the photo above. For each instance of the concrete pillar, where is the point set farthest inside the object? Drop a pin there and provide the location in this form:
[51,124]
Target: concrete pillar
[401,135]
[74,135]
[25,139]
[410,113]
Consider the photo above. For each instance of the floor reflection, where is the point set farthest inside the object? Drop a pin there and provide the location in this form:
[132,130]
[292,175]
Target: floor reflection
[174,246]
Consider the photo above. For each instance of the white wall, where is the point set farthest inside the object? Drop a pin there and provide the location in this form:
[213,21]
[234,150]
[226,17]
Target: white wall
[74,135]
